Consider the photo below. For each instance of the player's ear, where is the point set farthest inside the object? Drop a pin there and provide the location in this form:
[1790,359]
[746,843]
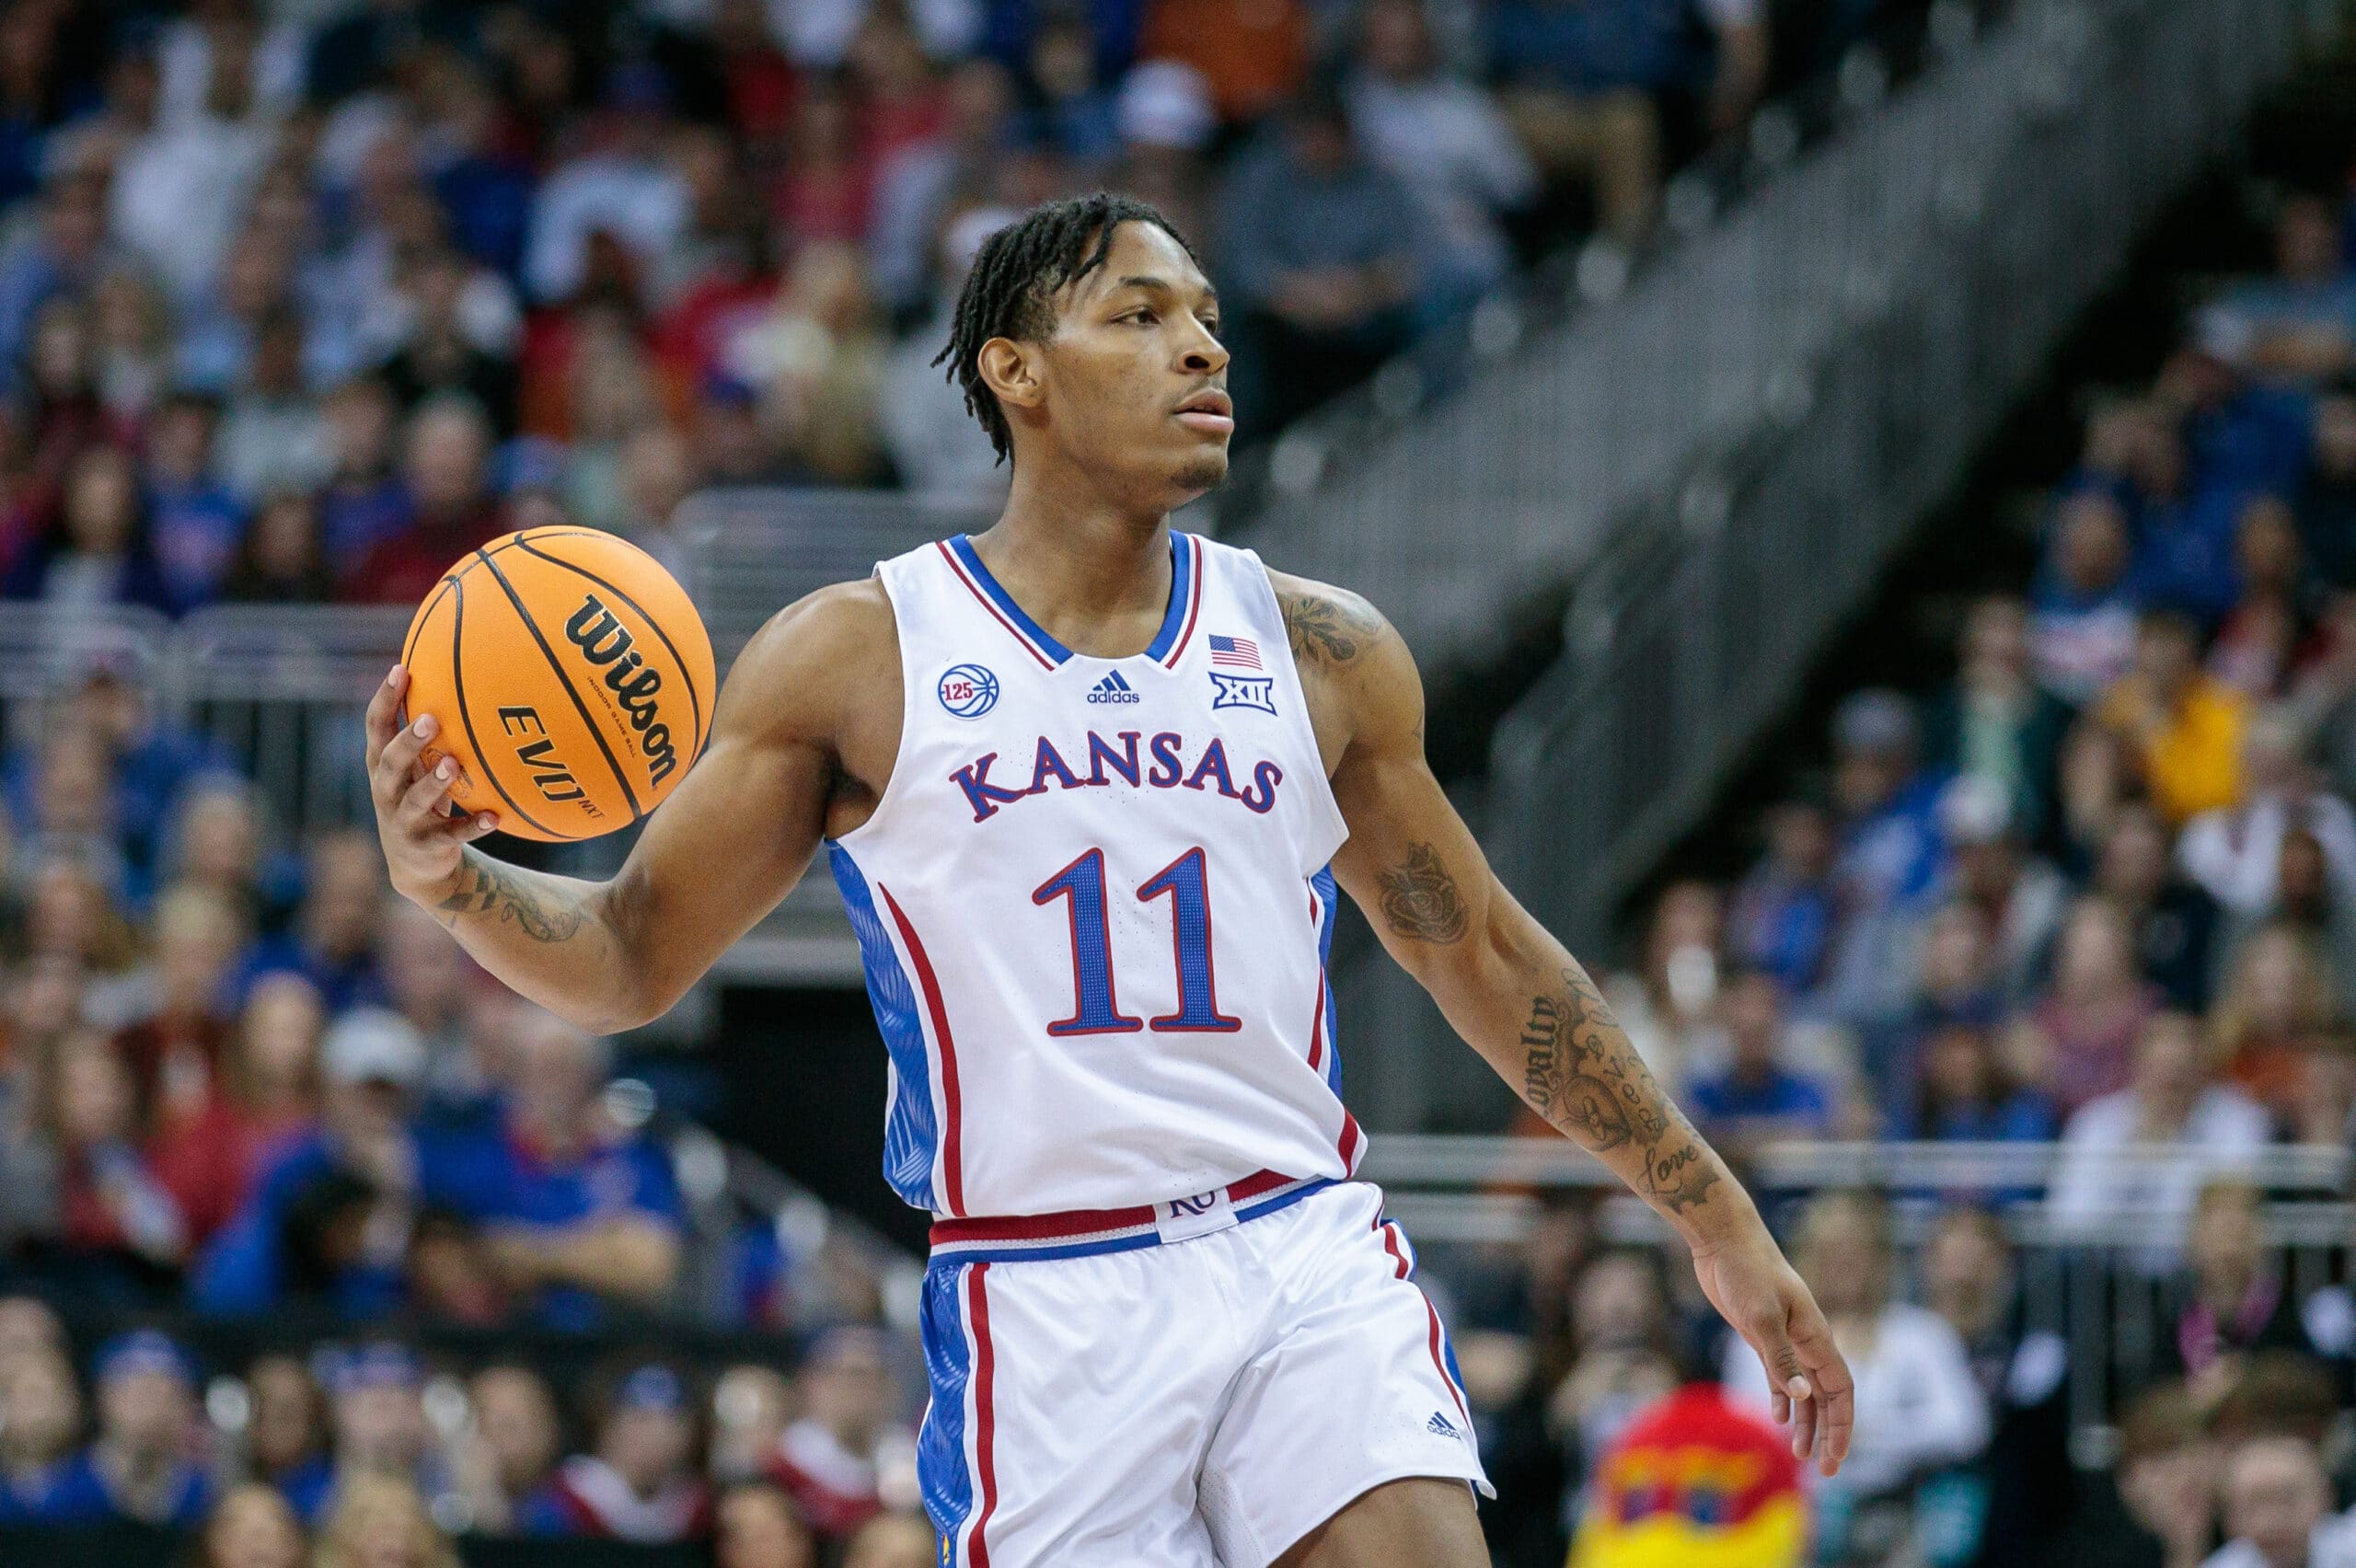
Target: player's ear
[1008,369]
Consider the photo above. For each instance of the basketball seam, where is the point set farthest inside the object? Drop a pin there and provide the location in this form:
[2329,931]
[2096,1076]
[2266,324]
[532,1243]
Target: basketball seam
[695,703]
[513,541]
[517,541]
[425,613]
[637,812]
[458,680]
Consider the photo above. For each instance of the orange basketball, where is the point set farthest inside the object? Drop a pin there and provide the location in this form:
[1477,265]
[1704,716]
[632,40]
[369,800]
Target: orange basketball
[571,677]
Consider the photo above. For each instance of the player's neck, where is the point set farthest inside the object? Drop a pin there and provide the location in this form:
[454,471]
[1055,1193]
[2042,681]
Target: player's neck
[1077,564]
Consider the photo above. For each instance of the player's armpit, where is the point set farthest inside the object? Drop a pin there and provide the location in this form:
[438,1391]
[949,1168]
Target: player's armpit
[1410,862]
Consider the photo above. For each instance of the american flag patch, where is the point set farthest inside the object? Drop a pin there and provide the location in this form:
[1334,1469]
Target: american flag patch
[1239,653]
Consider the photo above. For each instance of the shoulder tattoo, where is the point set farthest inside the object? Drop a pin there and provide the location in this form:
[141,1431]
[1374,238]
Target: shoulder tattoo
[1327,631]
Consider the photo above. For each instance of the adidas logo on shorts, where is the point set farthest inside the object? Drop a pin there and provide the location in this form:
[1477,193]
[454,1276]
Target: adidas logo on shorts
[1441,1425]
[1112,688]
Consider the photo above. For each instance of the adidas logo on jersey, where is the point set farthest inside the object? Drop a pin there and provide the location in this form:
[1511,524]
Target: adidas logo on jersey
[1112,688]
[1439,1425]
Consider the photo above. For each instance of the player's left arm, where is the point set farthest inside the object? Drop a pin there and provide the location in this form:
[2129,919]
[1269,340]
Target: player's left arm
[1521,1000]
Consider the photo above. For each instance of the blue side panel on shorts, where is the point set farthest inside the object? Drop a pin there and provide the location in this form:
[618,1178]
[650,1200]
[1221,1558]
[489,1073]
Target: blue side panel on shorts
[1327,894]
[910,1128]
[1448,1359]
[1446,1345]
[942,1474]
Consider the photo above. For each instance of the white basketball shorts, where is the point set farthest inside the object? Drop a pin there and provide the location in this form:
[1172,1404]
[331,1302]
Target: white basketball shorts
[1196,1385]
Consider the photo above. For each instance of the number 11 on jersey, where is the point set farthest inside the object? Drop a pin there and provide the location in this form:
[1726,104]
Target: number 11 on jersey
[1095,1008]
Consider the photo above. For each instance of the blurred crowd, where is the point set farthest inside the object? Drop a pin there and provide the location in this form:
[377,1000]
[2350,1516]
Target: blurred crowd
[252,1099]
[1617,1417]
[2096,887]
[300,300]
[365,1451]
[2101,884]
[239,1075]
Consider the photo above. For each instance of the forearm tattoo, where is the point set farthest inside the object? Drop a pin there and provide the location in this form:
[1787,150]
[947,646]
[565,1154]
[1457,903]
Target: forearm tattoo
[1420,900]
[486,887]
[1582,1075]
[1327,631]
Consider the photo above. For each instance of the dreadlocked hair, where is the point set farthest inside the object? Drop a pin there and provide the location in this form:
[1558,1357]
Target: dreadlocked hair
[1017,273]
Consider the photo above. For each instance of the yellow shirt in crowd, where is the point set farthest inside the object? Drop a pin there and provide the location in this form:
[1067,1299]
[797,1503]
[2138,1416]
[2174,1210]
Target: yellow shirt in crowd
[2190,752]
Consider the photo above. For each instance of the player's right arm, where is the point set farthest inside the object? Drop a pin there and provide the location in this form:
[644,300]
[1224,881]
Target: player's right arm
[1529,1009]
[719,854]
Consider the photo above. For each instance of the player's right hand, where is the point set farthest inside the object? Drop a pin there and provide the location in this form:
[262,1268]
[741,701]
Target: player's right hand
[422,841]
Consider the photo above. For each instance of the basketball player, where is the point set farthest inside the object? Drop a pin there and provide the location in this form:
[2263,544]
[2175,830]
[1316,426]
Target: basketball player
[1088,785]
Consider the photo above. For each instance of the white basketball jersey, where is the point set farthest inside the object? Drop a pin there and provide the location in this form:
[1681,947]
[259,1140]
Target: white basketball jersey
[1094,904]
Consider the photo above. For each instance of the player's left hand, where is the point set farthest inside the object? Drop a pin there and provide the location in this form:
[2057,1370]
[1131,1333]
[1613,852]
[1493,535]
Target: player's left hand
[1766,1302]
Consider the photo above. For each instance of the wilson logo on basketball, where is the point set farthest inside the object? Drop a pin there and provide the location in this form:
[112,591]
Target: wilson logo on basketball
[604,640]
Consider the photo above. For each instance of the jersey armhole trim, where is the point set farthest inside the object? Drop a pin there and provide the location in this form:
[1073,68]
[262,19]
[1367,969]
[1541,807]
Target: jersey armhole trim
[893,786]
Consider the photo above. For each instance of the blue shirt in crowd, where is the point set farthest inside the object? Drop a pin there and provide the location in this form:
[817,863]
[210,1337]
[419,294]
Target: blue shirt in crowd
[75,1492]
[499,1177]
[66,1492]
[2256,441]
[308,1488]
[2184,555]
[243,1273]
[195,529]
[1593,46]
[1777,1095]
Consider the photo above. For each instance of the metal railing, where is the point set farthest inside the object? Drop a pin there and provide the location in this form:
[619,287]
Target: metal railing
[1908,285]
[277,692]
[1460,520]
[1431,1160]
[1892,46]
[2104,1288]
[752,551]
[725,1185]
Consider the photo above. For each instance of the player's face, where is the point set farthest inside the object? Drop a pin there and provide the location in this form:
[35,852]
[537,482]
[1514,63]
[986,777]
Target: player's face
[1135,373]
